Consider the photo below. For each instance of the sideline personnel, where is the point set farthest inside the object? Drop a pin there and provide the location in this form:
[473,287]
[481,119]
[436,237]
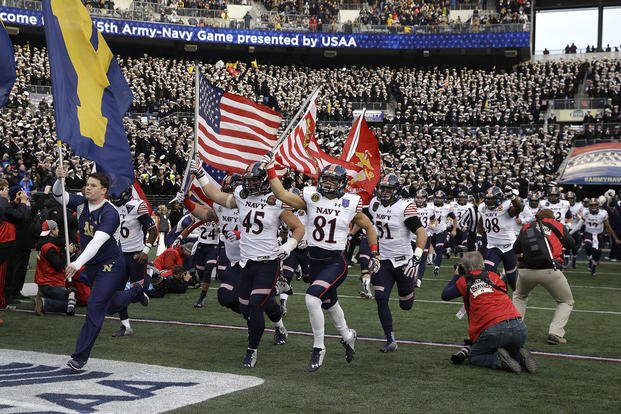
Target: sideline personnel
[541,265]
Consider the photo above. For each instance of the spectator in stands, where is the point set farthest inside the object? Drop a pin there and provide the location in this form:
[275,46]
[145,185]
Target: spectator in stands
[18,213]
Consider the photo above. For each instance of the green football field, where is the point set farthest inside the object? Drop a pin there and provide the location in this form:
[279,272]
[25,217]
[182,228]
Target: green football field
[417,378]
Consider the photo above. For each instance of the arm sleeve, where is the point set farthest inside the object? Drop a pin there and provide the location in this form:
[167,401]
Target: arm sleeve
[71,200]
[146,222]
[413,223]
[450,290]
[56,259]
[91,248]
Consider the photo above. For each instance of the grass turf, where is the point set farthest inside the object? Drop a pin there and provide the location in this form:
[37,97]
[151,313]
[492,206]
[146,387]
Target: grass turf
[413,379]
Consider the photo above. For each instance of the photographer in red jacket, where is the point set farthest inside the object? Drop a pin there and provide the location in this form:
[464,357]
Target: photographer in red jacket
[494,325]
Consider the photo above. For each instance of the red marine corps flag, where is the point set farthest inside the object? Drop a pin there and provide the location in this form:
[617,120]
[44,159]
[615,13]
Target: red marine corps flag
[362,150]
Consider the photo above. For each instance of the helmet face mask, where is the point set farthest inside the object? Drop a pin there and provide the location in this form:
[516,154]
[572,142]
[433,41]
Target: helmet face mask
[439,198]
[593,206]
[421,198]
[462,198]
[533,200]
[123,198]
[230,183]
[493,197]
[332,181]
[554,195]
[388,190]
[254,180]
[571,197]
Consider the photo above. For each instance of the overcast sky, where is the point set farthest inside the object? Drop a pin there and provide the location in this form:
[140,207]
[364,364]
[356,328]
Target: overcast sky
[556,29]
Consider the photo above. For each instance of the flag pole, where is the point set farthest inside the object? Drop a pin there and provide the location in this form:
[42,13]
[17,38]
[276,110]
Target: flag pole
[71,296]
[64,205]
[187,176]
[354,144]
[294,120]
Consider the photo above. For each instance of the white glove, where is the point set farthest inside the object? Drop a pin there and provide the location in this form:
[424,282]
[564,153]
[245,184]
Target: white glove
[180,197]
[197,168]
[303,244]
[411,268]
[286,248]
[268,160]
[177,241]
[374,264]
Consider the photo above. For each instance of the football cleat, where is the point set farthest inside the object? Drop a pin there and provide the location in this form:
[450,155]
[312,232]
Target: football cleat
[123,331]
[199,304]
[389,347]
[316,360]
[280,336]
[250,359]
[282,286]
[75,364]
[365,294]
[350,346]
[436,271]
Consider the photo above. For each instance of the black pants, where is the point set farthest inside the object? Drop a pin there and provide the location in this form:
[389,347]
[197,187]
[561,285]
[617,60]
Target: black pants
[16,273]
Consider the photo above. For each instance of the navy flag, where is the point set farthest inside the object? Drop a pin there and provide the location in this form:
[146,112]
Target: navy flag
[7,66]
[90,93]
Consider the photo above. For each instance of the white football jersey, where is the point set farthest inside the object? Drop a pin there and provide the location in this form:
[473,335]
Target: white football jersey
[132,236]
[440,215]
[208,233]
[327,224]
[259,222]
[528,214]
[559,209]
[594,223]
[577,213]
[499,226]
[228,220]
[392,233]
[463,214]
[425,214]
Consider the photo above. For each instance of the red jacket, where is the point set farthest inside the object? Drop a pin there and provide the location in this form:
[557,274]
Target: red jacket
[45,274]
[169,258]
[486,305]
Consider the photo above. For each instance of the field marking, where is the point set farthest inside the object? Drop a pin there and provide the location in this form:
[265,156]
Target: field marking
[461,303]
[360,338]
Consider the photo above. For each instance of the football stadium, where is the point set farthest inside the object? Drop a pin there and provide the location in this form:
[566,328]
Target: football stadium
[285,206]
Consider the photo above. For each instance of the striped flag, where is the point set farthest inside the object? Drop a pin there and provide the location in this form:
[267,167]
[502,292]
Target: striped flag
[232,131]
[301,152]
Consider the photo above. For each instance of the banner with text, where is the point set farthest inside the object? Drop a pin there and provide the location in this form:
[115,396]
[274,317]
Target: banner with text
[593,165]
[153,30]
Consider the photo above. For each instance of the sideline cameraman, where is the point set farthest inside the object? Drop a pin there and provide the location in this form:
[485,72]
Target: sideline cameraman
[494,324]
[541,265]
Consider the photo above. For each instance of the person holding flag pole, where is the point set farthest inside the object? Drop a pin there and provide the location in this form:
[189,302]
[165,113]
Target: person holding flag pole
[260,214]
[90,97]
[330,212]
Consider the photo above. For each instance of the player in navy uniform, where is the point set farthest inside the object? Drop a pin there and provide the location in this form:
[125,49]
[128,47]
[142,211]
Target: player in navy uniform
[395,218]
[260,214]
[98,223]
[439,230]
[330,212]
[135,223]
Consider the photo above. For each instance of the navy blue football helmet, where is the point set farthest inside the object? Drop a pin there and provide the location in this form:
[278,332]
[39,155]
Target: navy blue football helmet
[230,182]
[388,189]
[493,197]
[332,181]
[254,180]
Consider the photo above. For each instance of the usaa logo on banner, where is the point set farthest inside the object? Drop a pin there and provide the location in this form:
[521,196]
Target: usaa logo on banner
[37,382]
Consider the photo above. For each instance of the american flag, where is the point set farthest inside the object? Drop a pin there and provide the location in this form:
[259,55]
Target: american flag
[233,131]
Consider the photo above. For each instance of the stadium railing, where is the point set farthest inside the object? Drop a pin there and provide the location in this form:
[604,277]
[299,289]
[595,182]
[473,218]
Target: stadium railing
[581,103]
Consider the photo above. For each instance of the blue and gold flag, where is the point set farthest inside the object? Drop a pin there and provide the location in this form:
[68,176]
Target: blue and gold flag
[90,93]
[7,66]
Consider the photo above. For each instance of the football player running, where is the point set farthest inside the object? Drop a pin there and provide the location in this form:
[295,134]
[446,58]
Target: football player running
[577,212]
[330,212]
[496,220]
[442,213]
[425,211]
[260,214]
[228,257]
[595,221]
[135,223]
[395,218]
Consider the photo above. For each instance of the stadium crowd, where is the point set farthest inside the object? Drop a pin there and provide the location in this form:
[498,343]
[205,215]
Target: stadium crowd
[443,118]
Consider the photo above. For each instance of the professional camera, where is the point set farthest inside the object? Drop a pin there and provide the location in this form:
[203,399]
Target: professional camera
[460,356]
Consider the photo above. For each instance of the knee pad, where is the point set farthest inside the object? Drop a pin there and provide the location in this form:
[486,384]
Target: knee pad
[406,304]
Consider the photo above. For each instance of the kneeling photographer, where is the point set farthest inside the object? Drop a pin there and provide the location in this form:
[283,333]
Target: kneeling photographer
[495,326]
